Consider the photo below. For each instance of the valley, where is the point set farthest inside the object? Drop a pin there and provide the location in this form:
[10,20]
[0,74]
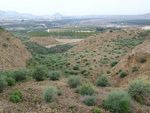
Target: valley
[89,64]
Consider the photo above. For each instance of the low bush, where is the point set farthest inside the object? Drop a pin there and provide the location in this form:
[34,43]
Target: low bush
[18,75]
[103,81]
[96,111]
[54,75]
[3,83]
[17,92]
[16,96]
[123,74]
[86,89]
[35,100]
[142,60]
[76,67]
[74,81]
[108,71]
[117,101]
[10,81]
[138,89]
[49,94]
[83,71]
[15,99]
[134,69]
[90,101]
[39,73]
[112,64]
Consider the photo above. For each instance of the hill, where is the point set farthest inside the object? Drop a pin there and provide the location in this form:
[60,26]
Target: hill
[136,64]
[16,15]
[13,52]
[45,41]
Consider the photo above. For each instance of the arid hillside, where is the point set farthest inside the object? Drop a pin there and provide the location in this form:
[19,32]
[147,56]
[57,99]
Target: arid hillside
[136,64]
[102,39]
[13,54]
[45,41]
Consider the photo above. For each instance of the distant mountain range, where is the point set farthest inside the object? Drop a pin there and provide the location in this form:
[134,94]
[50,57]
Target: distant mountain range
[16,15]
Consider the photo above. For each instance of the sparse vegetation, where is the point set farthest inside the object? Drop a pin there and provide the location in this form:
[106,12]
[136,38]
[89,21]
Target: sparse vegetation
[54,75]
[76,67]
[86,89]
[10,81]
[3,83]
[142,60]
[49,94]
[134,69]
[90,101]
[138,89]
[39,73]
[123,74]
[90,62]
[117,101]
[103,81]
[74,81]
[16,96]
[113,63]
[96,111]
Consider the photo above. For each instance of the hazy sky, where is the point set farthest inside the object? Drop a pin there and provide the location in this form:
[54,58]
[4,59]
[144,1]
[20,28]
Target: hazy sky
[76,7]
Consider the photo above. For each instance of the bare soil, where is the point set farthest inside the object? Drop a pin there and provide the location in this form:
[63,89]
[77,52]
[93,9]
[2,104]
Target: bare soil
[13,54]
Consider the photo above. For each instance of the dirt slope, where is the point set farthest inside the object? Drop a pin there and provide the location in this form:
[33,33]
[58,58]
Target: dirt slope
[133,59]
[45,41]
[96,41]
[13,54]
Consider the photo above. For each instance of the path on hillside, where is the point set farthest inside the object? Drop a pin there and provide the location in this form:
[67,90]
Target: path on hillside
[65,41]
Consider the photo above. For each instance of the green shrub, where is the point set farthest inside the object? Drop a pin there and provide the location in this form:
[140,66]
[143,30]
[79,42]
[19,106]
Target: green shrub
[83,71]
[108,71]
[86,89]
[74,81]
[39,73]
[138,89]
[59,92]
[142,60]
[35,100]
[87,63]
[103,81]
[123,74]
[18,75]
[76,67]
[96,111]
[68,63]
[15,98]
[17,92]
[10,81]
[5,45]
[112,64]
[90,101]
[3,83]
[49,94]
[117,101]
[71,106]
[134,69]
[54,75]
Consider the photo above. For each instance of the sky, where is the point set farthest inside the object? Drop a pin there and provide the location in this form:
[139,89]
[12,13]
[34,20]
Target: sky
[77,7]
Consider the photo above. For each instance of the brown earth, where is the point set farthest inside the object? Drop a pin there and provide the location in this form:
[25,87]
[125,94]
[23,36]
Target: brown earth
[97,41]
[61,103]
[95,46]
[133,59]
[32,90]
[45,41]
[13,54]
[65,41]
